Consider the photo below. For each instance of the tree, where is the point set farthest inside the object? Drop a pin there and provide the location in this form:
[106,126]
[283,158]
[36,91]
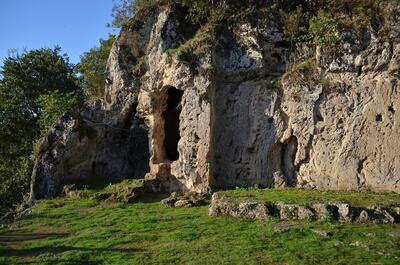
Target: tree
[122,11]
[24,79]
[53,106]
[92,67]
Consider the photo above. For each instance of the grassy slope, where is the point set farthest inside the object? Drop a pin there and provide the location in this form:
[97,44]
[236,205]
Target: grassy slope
[80,231]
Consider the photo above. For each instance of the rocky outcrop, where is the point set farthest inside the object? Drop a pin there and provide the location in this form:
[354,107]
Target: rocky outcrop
[188,199]
[333,211]
[127,191]
[211,106]
[87,147]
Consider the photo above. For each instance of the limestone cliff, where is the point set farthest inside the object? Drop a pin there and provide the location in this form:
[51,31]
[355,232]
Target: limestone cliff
[223,105]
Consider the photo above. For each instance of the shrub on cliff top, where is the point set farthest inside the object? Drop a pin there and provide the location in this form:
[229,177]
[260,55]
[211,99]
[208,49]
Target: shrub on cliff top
[198,10]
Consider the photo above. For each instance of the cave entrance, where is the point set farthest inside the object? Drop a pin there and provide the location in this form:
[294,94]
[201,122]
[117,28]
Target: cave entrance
[171,123]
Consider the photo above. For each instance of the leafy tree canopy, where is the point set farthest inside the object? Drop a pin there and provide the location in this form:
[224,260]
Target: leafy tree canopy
[92,67]
[27,82]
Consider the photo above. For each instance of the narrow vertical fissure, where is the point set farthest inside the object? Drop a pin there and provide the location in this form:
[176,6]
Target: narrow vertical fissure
[171,123]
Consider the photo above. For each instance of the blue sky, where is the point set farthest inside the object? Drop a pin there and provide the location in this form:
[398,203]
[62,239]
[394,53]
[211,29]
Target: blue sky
[75,25]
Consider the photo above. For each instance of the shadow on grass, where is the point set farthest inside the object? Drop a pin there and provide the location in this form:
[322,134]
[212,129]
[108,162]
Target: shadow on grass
[61,261]
[152,197]
[37,251]
[9,247]
[20,237]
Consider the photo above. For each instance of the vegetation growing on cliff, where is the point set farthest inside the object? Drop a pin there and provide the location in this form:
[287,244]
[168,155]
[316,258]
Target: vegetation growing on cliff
[318,21]
[92,66]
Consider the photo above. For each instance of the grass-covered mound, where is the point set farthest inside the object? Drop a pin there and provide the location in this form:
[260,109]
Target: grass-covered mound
[306,196]
[86,231]
[128,191]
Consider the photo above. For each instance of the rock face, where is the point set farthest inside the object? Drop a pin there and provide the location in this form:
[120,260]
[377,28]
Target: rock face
[220,107]
[334,211]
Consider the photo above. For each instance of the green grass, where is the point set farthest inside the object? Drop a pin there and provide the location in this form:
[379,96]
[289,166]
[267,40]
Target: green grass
[304,196]
[119,189]
[82,231]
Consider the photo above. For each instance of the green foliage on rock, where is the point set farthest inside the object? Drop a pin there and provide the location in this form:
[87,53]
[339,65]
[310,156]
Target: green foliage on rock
[92,68]
[24,78]
[292,23]
[318,21]
[122,11]
[53,106]
[320,29]
[323,29]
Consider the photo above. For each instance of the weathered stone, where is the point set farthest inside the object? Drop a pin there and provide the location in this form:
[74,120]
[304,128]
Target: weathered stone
[323,211]
[338,244]
[254,210]
[360,245]
[24,214]
[188,199]
[323,233]
[169,202]
[381,215]
[235,111]
[346,213]
[183,203]
[285,227]
[294,212]
[364,216]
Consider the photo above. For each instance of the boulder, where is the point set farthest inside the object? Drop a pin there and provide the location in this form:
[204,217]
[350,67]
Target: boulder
[188,199]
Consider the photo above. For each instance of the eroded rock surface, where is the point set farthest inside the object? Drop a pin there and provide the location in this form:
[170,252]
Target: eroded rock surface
[233,109]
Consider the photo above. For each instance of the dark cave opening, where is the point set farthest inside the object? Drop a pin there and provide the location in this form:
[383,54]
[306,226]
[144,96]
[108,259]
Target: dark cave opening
[171,123]
[288,167]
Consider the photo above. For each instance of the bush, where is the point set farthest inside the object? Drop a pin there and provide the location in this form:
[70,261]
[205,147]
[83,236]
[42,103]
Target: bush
[198,10]
[53,106]
[122,12]
[92,67]
[293,24]
[14,179]
[323,29]
[317,21]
